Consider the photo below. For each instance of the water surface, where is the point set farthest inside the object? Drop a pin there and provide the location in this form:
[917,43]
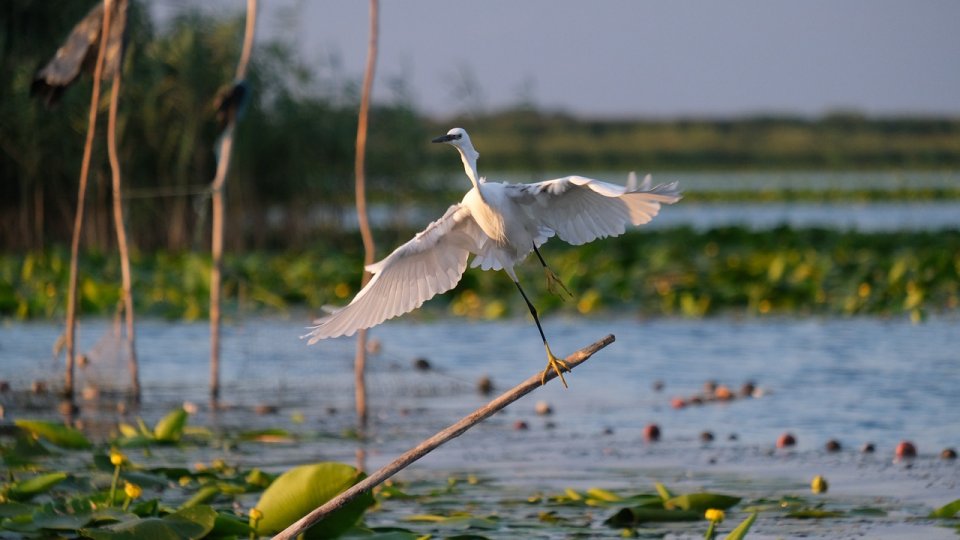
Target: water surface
[854,380]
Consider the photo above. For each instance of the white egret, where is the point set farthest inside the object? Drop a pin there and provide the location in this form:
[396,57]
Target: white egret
[500,224]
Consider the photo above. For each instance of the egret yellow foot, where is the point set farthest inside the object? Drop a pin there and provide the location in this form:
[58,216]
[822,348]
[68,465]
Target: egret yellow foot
[553,281]
[557,365]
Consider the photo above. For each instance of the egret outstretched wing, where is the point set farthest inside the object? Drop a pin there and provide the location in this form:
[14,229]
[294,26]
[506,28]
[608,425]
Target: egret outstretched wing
[581,210]
[429,264]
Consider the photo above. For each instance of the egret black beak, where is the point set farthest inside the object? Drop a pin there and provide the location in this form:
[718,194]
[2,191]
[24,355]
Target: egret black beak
[445,138]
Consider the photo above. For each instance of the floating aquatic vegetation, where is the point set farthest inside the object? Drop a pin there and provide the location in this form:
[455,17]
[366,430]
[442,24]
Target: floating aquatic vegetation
[675,272]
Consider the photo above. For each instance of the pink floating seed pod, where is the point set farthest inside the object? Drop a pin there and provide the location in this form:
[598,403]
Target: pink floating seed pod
[905,449]
[786,440]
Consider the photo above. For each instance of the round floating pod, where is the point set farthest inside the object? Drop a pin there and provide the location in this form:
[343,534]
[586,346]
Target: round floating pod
[786,440]
[905,449]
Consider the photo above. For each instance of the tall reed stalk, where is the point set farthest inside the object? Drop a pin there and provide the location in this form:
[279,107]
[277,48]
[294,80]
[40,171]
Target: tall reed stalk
[217,196]
[70,331]
[360,361]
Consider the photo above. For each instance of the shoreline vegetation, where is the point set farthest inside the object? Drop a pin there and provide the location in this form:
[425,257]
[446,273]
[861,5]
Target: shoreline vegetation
[673,272]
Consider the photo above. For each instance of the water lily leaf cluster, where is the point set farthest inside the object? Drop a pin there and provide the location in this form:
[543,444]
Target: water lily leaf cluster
[58,483]
[676,272]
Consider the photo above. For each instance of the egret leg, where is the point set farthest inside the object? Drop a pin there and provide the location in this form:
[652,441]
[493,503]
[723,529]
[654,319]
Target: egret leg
[553,280]
[554,363]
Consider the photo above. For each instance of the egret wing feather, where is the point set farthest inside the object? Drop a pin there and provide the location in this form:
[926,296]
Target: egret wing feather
[581,210]
[429,264]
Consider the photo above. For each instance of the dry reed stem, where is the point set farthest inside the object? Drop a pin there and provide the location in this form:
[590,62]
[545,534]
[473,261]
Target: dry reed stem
[360,360]
[126,280]
[424,448]
[81,198]
[218,203]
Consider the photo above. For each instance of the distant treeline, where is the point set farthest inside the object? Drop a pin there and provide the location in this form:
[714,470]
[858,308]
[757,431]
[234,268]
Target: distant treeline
[531,140]
[295,145]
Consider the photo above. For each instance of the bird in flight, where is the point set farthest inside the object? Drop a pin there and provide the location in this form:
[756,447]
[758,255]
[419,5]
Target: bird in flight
[500,224]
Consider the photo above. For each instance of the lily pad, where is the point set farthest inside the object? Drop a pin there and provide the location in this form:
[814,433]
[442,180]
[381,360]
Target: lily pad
[230,525]
[947,511]
[205,495]
[631,517]
[28,489]
[700,502]
[57,433]
[664,493]
[814,513]
[12,509]
[458,521]
[170,427]
[186,524]
[300,490]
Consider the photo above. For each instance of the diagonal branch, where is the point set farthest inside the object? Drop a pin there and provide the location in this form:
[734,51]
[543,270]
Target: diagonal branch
[440,438]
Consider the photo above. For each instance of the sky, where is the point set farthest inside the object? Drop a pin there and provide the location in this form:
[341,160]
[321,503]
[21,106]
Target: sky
[620,58]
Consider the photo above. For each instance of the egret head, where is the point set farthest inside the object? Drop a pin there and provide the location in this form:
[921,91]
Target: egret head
[458,138]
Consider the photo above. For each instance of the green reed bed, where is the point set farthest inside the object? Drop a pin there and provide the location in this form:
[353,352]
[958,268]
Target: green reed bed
[676,272]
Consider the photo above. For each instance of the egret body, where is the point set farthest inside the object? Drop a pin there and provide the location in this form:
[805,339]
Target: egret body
[500,224]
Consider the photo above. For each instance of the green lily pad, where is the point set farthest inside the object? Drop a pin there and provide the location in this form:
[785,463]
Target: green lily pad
[28,489]
[603,495]
[230,525]
[205,495]
[814,513]
[170,427]
[459,521]
[701,502]
[13,509]
[947,511]
[300,490]
[631,517]
[186,524]
[58,434]
[664,493]
[381,533]
[868,511]
[49,519]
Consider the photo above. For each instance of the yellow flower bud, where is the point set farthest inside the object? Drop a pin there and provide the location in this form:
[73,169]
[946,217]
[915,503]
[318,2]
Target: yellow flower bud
[819,484]
[116,458]
[715,515]
[132,490]
[256,514]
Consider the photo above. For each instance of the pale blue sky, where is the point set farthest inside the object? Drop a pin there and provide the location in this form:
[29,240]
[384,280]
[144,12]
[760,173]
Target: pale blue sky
[645,58]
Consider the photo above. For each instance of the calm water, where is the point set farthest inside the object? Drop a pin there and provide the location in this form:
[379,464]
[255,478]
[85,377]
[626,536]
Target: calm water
[856,380]
[865,216]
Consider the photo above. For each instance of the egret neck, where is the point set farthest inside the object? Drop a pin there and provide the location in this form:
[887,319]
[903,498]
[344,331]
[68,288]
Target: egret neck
[458,138]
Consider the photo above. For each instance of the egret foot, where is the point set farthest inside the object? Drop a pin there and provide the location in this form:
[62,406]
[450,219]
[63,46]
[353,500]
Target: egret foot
[553,281]
[557,365]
